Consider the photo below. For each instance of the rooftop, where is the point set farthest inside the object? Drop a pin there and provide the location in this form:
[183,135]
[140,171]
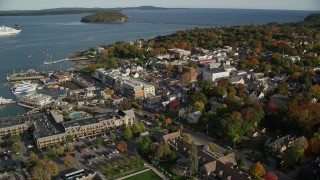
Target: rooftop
[45,126]
[15,120]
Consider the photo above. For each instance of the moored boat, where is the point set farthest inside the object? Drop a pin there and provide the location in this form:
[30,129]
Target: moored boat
[6,101]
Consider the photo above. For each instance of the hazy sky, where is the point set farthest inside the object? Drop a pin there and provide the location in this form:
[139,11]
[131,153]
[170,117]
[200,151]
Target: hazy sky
[244,4]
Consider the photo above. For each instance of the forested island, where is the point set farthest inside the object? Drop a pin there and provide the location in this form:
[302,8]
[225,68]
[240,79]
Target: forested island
[106,17]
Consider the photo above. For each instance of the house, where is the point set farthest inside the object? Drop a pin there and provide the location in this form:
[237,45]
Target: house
[222,168]
[281,144]
[215,105]
[171,137]
[294,59]
[135,75]
[279,100]
[256,95]
[236,80]
[194,117]
[219,170]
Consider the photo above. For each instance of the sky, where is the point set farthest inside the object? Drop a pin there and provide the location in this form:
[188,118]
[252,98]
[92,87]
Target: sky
[240,4]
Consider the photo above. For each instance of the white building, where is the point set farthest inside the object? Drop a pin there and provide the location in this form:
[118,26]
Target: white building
[35,100]
[214,74]
[294,59]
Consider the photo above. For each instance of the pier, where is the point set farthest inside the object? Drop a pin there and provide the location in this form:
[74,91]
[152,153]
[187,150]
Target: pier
[67,59]
[25,76]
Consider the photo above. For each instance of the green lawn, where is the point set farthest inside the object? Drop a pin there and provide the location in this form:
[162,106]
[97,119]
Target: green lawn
[145,176]
[167,167]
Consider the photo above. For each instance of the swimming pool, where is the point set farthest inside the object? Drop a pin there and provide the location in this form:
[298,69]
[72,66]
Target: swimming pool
[77,115]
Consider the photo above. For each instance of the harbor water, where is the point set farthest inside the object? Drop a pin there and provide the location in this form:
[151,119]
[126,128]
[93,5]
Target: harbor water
[63,35]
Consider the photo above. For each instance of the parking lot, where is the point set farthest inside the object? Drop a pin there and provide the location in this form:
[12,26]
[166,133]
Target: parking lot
[90,158]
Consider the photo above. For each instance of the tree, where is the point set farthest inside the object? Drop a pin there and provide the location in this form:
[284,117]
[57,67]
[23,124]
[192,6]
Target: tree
[113,137]
[127,133]
[181,128]
[173,105]
[122,146]
[213,147]
[109,91]
[198,106]
[70,148]
[68,160]
[185,78]
[257,171]
[16,148]
[193,159]
[52,152]
[60,150]
[163,151]
[40,173]
[271,176]
[298,148]
[15,138]
[70,138]
[98,141]
[185,137]
[168,121]
[53,168]
[241,162]
[125,104]
[198,96]
[33,159]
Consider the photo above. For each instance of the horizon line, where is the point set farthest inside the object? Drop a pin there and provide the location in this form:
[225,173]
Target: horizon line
[231,8]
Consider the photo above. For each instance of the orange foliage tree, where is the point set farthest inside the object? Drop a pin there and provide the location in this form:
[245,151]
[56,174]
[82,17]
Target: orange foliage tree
[122,146]
[270,176]
[257,171]
[168,121]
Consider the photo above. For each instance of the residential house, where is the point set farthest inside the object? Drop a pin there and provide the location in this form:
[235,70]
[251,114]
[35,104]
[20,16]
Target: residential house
[279,100]
[281,144]
[256,95]
[172,137]
[194,117]
[236,80]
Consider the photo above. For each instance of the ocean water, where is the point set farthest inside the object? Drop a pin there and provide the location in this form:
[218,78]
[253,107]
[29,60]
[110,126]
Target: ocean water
[63,35]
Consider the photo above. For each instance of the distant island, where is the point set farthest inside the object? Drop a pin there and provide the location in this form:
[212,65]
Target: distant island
[62,11]
[106,17]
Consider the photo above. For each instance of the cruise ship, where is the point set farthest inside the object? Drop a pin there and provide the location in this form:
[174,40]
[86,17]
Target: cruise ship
[4,30]
[6,101]
[23,87]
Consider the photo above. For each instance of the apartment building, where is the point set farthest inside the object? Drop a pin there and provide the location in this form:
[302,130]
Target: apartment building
[47,131]
[122,83]
[13,125]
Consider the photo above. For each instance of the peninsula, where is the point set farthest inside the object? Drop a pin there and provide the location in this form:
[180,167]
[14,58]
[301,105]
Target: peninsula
[61,11]
[106,17]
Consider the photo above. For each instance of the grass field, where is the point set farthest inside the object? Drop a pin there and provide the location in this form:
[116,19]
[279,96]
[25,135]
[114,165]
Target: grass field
[145,176]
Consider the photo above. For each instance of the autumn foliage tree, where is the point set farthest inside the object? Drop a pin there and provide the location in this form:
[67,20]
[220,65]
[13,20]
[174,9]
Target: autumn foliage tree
[168,121]
[185,78]
[122,146]
[271,176]
[68,160]
[173,105]
[257,171]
